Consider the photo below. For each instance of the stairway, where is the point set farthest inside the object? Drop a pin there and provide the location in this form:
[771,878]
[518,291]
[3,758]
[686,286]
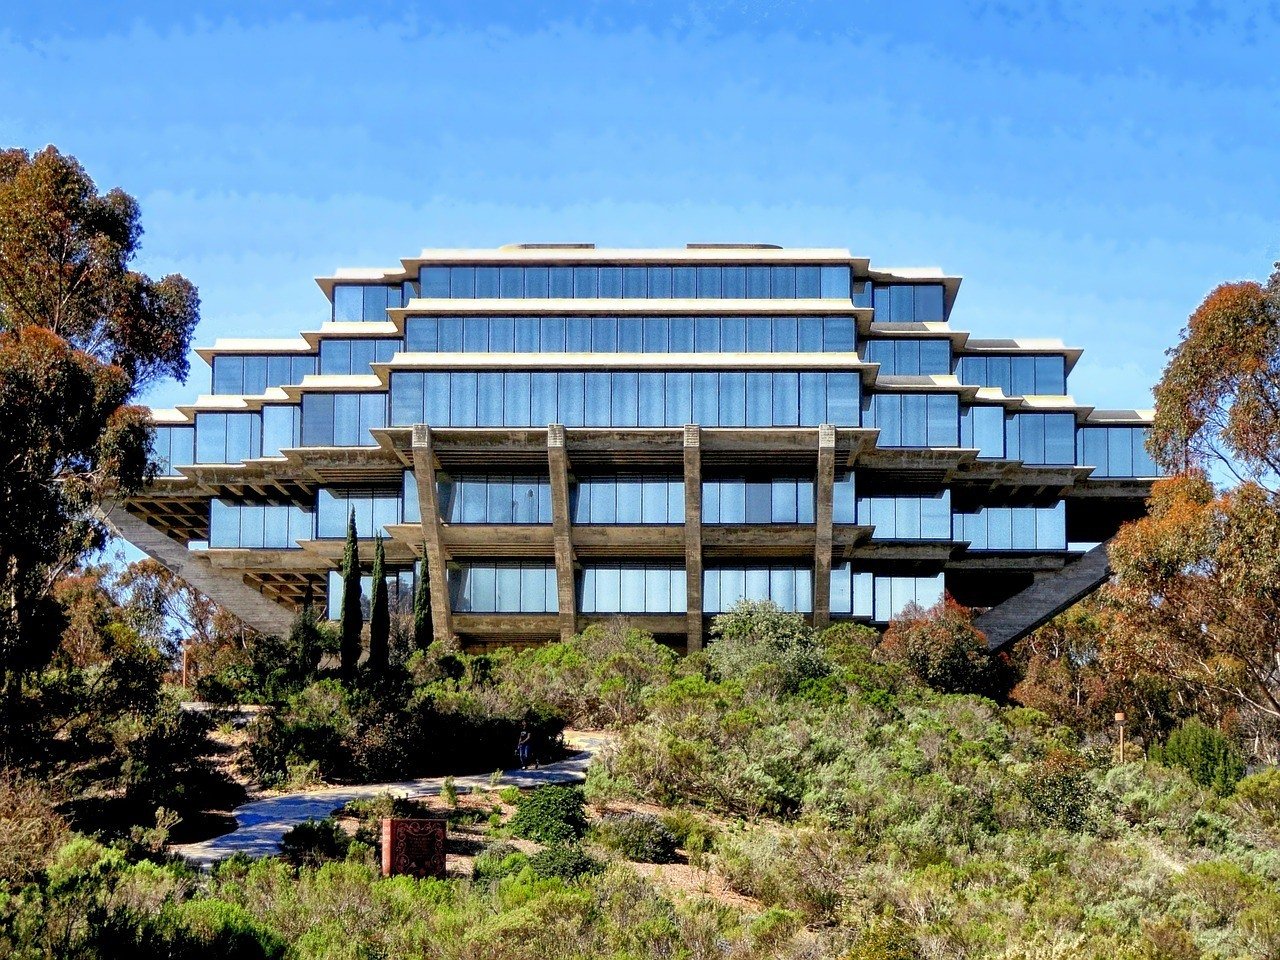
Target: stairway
[1045,599]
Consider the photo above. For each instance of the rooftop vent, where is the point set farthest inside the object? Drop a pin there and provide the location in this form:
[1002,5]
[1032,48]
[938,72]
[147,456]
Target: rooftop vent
[547,246]
[732,246]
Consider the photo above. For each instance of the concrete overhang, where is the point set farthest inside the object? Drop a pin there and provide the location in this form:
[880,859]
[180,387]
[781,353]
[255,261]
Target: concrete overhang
[253,345]
[585,306]
[1027,345]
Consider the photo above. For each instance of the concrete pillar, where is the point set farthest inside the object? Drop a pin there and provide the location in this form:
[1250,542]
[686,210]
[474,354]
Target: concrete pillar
[823,490]
[562,537]
[693,533]
[424,470]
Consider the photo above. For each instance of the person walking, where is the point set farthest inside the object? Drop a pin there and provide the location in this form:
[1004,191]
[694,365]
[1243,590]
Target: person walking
[522,746]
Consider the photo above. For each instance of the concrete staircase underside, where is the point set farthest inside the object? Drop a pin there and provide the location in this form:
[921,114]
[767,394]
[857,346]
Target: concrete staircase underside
[1045,599]
[227,590]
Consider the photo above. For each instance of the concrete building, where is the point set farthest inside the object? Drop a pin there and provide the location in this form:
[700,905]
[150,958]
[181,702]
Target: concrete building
[556,433]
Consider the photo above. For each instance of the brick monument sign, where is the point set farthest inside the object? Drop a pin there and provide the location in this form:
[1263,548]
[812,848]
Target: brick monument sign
[413,847]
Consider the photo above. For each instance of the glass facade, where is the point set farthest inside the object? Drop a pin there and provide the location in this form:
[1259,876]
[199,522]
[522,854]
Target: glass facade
[471,398]
[374,511]
[1014,528]
[630,334]
[1017,376]
[909,302]
[641,588]
[791,588]
[918,517]
[281,428]
[349,356]
[228,437]
[627,500]
[982,429]
[1047,439]
[859,593]
[494,498]
[258,525]
[910,358]
[1116,451]
[251,374]
[667,282]
[400,586]
[914,419]
[366,301]
[528,587]
[782,500]
[173,447]
[342,419]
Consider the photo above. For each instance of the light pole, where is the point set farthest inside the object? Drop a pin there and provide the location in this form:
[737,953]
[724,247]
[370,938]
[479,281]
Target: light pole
[1120,724]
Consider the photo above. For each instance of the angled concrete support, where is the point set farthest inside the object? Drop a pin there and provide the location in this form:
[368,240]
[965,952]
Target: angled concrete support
[558,463]
[1047,597]
[693,533]
[824,491]
[424,471]
[226,588]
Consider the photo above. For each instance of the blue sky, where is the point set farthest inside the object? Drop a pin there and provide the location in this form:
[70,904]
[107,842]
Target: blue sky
[1091,169]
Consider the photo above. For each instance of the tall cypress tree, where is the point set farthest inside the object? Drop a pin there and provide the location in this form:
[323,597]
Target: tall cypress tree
[352,617]
[380,614]
[422,631]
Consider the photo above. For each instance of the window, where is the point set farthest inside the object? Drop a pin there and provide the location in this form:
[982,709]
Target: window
[281,428]
[1014,528]
[907,517]
[400,587]
[879,598]
[494,498]
[643,588]
[252,374]
[791,588]
[173,447]
[914,419]
[503,588]
[627,500]
[1041,438]
[619,398]
[258,525]
[909,302]
[1116,452]
[355,356]
[910,358]
[1016,375]
[374,511]
[781,500]
[982,429]
[342,419]
[228,437]
[361,301]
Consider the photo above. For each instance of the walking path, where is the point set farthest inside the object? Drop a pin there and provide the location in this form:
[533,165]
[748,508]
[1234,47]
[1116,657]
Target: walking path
[262,823]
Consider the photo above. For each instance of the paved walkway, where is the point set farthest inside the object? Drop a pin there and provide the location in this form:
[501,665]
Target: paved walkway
[262,823]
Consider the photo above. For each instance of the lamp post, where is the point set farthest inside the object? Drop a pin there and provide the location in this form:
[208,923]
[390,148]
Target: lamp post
[1120,724]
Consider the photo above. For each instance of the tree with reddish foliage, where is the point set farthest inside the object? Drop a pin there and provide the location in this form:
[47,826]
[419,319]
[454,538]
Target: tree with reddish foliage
[942,647]
[80,334]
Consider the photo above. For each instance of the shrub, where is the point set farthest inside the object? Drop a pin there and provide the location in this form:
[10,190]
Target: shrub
[640,837]
[1206,754]
[315,841]
[31,830]
[498,860]
[1059,790]
[765,648]
[449,792]
[942,647]
[551,814]
[563,862]
[1260,794]
[509,795]
[227,930]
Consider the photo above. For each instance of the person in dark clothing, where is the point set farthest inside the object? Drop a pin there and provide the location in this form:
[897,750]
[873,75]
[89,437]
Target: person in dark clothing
[522,747]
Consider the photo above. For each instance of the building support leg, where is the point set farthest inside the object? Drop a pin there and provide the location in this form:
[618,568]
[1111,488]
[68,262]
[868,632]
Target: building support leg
[424,471]
[823,490]
[693,534]
[561,530]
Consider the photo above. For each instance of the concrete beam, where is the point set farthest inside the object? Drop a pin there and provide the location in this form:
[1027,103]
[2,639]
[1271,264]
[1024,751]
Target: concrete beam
[424,471]
[1045,598]
[824,492]
[693,534]
[226,589]
[558,464]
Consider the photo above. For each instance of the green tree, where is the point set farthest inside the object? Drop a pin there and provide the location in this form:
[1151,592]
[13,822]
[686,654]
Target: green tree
[80,334]
[379,613]
[422,629]
[764,646]
[1209,757]
[352,615]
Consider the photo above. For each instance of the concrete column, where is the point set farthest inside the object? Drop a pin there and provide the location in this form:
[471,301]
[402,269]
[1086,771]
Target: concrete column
[823,490]
[424,470]
[558,463]
[693,532]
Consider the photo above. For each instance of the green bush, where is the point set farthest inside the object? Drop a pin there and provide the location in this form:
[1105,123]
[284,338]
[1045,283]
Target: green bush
[1260,793]
[314,842]
[1058,789]
[640,837]
[551,814]
[227,930]
[765,648]
[498,860]
[1206,754]
[564,863]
